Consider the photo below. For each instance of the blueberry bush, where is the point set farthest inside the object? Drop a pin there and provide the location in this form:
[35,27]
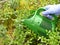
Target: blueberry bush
[12,30]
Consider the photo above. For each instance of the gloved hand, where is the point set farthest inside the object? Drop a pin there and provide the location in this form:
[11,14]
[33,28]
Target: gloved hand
[51,9]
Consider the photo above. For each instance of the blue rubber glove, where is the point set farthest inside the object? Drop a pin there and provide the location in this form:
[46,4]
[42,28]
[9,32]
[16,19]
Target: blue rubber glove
[51,9]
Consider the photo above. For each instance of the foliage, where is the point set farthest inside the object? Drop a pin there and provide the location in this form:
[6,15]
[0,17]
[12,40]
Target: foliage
[12,30]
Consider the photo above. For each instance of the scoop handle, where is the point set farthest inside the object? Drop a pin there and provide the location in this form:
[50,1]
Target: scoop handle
[41,9]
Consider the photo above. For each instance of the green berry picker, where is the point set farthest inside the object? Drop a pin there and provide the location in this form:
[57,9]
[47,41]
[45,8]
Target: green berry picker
[39,23]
